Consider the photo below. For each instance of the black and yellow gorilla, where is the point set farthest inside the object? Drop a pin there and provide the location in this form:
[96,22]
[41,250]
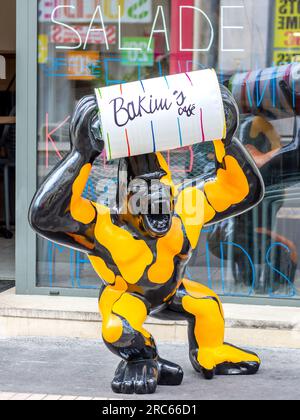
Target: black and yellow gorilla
[141,258]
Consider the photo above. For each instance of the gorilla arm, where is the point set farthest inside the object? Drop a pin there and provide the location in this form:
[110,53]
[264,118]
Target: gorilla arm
[58,211]
[237,186]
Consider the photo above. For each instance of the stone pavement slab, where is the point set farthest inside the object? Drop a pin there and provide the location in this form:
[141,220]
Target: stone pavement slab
[57,368]
[7,396]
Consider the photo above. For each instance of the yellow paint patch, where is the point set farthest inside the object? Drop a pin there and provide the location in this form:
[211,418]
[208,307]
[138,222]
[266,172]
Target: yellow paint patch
[225,129]
[194,211]
[227,353]
[198,291]
[209,321]
[134,311]
[112,326]
[81,209]
[131,256]
[220,150]
[230,186]
[209,326]
[102,270]
[167,180]
[210,358]
[167,248]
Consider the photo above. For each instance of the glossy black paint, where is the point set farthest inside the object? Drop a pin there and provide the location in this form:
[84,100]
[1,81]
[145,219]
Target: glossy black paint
[141,369]
[143,377]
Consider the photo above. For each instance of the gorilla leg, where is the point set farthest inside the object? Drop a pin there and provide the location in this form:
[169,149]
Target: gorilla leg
[141,370]
[208,352]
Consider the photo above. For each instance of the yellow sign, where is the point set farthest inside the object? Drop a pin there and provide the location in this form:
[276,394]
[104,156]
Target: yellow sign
[287,24]
[83,65]
[42,49]
[282,57]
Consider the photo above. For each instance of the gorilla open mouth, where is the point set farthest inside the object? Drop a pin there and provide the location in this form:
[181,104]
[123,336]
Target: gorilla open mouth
[157,224]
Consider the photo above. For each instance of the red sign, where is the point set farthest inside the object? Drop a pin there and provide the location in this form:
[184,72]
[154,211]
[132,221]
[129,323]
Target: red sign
[62,35]
[70,11]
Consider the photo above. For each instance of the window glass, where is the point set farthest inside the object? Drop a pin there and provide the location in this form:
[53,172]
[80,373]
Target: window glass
[254,47]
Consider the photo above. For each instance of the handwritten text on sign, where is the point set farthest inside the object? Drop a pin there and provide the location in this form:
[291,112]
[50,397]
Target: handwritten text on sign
[161,114]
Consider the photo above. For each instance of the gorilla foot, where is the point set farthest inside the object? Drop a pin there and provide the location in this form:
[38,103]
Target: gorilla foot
[224,360]
[170,374]
[243,368]
[140,377]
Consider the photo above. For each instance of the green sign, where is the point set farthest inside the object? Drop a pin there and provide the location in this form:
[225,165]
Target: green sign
[137,58]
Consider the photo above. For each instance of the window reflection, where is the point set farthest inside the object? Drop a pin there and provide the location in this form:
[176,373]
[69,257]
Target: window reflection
[255,254]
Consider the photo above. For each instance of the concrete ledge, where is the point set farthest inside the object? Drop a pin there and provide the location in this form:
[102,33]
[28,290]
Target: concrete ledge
[46,316]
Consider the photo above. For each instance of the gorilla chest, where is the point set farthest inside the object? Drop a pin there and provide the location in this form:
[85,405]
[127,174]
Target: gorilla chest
[137,259]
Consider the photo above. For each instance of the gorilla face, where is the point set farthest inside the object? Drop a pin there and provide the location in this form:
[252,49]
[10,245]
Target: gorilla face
[145,199]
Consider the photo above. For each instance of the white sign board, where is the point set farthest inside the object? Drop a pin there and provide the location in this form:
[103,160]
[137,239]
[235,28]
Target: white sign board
[161,114]
[82,11]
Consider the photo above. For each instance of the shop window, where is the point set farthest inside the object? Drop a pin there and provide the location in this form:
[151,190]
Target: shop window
[255,47]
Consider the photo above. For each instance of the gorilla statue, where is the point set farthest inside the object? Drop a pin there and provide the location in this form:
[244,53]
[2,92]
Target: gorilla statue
[141,256]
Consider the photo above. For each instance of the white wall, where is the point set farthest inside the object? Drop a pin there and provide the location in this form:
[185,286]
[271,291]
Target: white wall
[7,25]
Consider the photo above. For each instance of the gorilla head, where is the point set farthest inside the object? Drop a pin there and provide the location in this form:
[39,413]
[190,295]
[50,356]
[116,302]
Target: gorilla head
[145,194]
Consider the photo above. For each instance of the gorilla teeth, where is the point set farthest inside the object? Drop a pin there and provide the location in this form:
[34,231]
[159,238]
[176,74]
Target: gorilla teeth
[159,222]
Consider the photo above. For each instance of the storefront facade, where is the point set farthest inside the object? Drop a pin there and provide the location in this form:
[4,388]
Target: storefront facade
[65,49]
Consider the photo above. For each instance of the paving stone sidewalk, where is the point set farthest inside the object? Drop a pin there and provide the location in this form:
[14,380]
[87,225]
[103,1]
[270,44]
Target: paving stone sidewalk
[10,396]
[40,368]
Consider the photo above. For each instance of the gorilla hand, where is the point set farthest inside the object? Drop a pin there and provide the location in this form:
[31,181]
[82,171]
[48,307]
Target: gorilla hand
[85,129]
